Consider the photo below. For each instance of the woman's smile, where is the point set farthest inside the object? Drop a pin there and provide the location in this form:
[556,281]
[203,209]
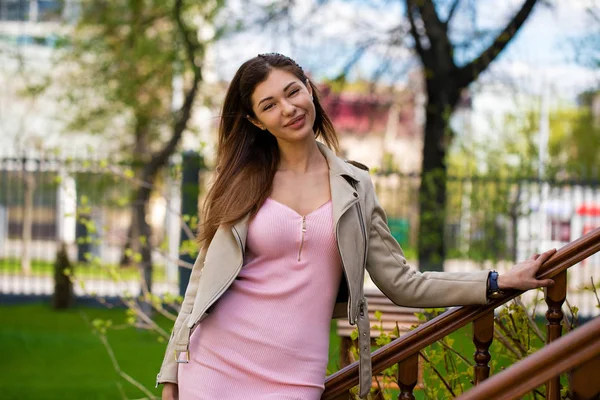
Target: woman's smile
[297,122]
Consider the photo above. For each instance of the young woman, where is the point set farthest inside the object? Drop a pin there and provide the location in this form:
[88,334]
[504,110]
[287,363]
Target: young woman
[288,230]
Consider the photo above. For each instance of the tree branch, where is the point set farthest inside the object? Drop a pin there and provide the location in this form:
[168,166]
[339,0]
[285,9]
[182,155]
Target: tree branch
[193,53]
[429,15]
[440,49]
[471,71]
[451,12]
[421,51]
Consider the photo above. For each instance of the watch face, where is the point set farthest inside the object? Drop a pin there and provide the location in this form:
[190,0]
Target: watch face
[494,281]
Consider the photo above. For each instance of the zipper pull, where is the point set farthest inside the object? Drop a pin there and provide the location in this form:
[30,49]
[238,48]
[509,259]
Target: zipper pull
[302,240]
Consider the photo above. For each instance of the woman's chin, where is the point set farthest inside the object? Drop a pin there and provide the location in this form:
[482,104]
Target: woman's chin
[296,136]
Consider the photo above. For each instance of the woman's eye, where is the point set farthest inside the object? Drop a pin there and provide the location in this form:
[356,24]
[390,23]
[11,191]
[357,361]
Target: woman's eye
[267,107]
[293,92]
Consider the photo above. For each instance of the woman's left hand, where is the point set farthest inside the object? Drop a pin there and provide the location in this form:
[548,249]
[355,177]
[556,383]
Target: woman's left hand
[522,275]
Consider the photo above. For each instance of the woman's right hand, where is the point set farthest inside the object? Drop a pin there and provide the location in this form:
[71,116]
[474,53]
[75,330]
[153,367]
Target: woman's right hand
[170,391]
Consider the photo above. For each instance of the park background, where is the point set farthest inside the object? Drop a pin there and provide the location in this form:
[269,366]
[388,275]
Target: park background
[108,118]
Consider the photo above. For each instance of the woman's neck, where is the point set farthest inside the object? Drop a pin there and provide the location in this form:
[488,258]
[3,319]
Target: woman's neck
[300,158]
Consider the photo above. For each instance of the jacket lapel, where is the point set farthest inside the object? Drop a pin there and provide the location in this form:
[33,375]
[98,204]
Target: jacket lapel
[340,177]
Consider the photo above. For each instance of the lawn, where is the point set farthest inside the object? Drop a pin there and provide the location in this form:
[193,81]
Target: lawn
[44,268]
[55,355]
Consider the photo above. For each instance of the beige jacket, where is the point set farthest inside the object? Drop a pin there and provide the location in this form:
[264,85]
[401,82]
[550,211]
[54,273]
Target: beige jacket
[364,242]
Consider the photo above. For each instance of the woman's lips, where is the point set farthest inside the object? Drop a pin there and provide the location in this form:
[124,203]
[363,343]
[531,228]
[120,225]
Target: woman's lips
[298,123]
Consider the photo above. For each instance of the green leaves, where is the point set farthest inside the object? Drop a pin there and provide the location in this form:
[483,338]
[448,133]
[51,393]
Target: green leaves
[101,326]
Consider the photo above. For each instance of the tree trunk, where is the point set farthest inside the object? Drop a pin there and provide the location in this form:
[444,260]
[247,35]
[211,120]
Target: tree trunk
[445,80]
[29,183]
[140,152]
[432,193]
[144,239]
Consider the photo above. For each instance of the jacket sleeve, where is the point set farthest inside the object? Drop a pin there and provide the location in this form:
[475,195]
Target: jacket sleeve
[408,287]
[168,369]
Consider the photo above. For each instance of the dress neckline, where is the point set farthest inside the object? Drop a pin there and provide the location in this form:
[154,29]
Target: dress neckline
[296,212]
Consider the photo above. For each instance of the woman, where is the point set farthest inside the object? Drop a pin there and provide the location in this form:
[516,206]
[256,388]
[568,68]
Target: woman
[288,230]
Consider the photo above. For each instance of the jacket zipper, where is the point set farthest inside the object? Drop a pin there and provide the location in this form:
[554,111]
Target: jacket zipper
[303,227]
[224,288]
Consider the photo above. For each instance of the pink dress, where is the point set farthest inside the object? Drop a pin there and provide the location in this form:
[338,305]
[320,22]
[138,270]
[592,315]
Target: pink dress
[268,335]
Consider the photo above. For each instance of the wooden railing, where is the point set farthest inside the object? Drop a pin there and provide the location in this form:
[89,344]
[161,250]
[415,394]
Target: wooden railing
[577,353]
[404,350]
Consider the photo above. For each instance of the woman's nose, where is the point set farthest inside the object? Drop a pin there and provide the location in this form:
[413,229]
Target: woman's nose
[287,108]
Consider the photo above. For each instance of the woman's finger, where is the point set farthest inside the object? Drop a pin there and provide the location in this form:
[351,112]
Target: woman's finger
[545,283]
[534,257]
[546,255]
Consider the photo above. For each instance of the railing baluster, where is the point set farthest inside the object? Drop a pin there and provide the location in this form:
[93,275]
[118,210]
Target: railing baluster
[483,334]
[408,373]
[583,382]
[555,297]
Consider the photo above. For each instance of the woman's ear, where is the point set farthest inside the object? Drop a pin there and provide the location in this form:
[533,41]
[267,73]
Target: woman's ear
[255,122]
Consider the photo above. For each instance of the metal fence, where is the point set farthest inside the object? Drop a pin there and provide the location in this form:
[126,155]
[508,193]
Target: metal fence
[490,222]
[42,200]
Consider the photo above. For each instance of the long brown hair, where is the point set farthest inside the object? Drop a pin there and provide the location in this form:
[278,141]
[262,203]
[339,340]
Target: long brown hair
[247,157]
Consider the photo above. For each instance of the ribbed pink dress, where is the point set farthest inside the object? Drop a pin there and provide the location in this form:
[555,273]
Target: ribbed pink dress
[268,335]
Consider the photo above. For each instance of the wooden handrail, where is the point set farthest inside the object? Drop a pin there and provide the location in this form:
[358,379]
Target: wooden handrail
[430,332]
[578,347]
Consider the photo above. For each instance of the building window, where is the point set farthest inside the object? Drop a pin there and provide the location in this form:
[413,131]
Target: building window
[14,10]
[26,10]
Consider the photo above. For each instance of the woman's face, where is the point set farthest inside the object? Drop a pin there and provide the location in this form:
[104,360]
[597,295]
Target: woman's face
[283,105]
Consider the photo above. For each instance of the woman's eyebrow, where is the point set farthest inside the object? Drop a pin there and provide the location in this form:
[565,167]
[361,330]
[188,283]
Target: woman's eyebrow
[271,97]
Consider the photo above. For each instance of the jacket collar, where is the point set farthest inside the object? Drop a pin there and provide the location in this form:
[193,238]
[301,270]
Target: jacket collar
[341,179]
[337,166]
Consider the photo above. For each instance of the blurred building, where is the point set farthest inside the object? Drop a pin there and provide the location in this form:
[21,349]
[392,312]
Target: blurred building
[382,128]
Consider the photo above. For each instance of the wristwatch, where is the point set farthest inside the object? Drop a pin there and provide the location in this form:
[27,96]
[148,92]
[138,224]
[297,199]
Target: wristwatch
[493,291]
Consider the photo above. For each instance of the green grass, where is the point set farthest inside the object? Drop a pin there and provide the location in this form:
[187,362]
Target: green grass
[80,270]
[48,354]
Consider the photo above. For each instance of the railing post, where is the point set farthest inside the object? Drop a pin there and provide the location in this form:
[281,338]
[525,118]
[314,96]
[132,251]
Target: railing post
[483,334]
[555,297]
[408,374]
[583,382]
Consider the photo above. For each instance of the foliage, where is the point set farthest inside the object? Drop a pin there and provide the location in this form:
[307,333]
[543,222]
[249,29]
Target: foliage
[124,57]
[511,148]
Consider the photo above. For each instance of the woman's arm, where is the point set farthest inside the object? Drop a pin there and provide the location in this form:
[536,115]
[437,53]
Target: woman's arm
[405,286]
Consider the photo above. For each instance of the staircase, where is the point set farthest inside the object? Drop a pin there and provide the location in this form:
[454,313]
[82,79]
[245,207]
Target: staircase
[577,353]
